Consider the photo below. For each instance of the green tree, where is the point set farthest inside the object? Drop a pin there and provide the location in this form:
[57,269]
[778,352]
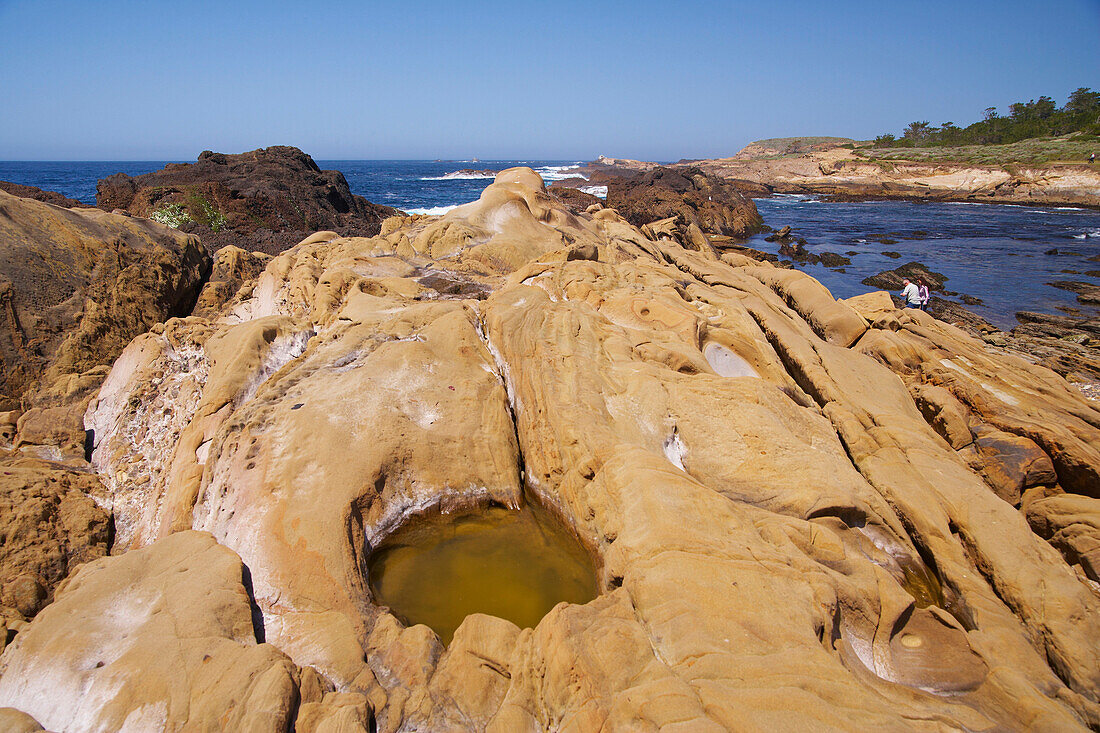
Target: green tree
[917,131]
[1083,99]
[1043,108]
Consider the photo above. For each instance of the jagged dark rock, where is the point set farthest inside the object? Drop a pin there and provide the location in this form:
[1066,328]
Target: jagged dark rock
[892,279]
[38,194]
[714,205]
[264,200]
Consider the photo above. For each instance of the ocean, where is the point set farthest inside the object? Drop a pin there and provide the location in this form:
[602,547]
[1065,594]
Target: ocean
[993,252]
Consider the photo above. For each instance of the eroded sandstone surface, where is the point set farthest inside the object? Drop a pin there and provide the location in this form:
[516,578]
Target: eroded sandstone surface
[807,513]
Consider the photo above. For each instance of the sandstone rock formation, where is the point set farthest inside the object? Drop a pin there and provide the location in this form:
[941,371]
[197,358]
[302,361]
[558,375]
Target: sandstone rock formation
[76,285]
[125,632]
[266,199]
[50,524]
[808,513]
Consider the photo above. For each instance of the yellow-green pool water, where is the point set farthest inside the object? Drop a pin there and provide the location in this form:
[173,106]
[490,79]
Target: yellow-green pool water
[439,568]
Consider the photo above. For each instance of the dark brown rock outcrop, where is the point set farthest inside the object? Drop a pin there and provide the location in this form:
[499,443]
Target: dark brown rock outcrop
[1087,293]
[893,279]
[574,199]
[267,199]
[33,192]
[714,205]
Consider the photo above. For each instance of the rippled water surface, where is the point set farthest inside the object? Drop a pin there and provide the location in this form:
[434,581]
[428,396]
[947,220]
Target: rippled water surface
[438,569]
[994,252]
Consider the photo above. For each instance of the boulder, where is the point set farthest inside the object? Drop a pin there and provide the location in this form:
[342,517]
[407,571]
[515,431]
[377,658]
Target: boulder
[892,279]
[1072,524]
[266,199]
[156,639]
[233,267]
[1012,464]
[711,203]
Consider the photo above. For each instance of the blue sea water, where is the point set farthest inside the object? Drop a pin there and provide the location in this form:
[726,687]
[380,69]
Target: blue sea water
[995,252]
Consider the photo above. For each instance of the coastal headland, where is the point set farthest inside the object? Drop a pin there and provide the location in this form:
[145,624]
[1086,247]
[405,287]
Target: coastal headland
[834,168]
[802,512]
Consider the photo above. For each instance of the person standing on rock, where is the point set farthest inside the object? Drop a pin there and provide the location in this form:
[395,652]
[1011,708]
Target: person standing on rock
[923,294]
[910,295]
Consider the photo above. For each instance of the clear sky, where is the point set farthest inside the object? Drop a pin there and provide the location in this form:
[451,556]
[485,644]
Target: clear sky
[115,80]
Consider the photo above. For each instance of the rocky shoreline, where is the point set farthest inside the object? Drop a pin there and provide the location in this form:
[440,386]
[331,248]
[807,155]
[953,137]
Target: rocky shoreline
[839,174]
[1067,343]
[805,512]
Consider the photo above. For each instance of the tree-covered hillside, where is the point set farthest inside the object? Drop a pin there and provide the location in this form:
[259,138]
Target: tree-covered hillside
[1025,120]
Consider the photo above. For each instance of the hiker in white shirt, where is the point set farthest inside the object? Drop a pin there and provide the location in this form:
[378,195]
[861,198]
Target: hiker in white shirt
[910,294]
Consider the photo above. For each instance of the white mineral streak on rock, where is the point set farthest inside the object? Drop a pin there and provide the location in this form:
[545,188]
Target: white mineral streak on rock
[675,450]
[148,398]
[725,363]
[283,350]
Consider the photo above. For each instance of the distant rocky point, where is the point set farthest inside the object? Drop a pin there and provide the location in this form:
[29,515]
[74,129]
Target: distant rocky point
[33,192]
[264,200]
[777,146]
[830,167]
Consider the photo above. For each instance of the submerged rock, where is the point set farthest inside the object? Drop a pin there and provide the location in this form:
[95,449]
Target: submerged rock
[1087,293]
[803,510]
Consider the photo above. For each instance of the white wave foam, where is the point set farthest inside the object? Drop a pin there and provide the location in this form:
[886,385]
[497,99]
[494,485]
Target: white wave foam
[963,203]
[1087,233]
[600,191]
[459,176]
[1079,236]
[558,172]
[794,198]
[432,210]
[1068,208]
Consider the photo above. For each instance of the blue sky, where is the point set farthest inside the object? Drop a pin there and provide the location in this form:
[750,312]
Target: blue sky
[113,80]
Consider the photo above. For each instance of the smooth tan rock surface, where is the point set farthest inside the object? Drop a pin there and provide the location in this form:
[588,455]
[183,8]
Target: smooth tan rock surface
[797,522]
[158,639]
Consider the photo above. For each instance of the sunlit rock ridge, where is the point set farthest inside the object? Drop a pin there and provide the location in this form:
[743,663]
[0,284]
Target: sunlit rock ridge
[806,513]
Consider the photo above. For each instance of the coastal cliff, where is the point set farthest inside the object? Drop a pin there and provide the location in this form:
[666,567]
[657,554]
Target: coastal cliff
[805,512]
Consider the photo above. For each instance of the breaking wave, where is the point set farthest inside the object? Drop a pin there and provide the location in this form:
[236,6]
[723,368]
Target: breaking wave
[433,210]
